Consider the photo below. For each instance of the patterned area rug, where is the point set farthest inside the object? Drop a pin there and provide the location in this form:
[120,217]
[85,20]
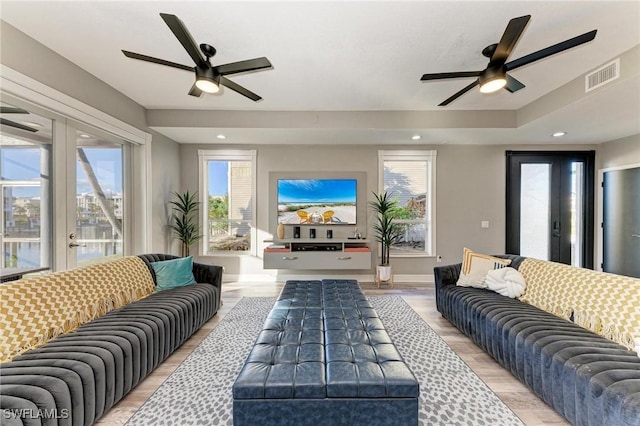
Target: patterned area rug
[199,391]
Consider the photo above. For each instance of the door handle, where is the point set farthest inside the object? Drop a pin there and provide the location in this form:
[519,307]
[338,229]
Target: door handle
[74,245]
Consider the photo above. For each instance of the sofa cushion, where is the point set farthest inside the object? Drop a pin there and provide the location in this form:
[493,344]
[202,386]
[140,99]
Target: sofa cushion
[475,267]
[173,273]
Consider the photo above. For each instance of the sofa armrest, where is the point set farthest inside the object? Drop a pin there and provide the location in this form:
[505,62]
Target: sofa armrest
[446,275]
[208,274]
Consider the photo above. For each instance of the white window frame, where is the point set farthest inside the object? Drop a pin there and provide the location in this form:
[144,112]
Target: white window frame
[204,156]
[430,216]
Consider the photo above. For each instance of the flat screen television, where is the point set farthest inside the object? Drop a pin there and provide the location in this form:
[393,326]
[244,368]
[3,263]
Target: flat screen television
[317,201]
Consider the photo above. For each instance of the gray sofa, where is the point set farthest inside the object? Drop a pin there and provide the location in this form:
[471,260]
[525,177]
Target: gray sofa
[588,379]
[324,357]
[76,377]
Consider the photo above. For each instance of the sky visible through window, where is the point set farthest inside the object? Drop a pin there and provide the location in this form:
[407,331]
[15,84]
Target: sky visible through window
[218,178]
[24,165]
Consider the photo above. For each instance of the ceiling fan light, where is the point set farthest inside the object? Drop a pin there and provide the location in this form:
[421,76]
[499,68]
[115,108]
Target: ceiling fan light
[492,80]
[207,85]
[493,85]
[207,80]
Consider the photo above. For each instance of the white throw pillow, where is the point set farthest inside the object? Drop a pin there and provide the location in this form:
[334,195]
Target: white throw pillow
[506,281]
[475,267]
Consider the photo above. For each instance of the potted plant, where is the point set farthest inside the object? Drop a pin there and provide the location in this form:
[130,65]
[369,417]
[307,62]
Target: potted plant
[184,221]
[385,231]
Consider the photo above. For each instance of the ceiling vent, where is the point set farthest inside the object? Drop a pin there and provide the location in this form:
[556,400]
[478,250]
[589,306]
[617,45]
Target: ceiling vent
[602,75]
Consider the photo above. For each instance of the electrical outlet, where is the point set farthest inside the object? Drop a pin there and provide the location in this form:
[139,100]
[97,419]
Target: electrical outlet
[438,259]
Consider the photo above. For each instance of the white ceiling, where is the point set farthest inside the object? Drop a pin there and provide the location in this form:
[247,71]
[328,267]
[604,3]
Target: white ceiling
[350,56]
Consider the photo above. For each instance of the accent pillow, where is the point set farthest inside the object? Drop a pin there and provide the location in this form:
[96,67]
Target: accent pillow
[476,266]
[174,273]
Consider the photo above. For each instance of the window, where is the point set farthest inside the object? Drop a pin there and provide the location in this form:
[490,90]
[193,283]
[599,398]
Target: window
[409,176]
[227,190]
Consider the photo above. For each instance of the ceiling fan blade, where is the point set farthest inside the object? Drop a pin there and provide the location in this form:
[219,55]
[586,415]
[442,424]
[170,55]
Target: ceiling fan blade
[195,91]
[17,125]
[185,39]
[512,33]
[445,75]
[460,93]
[513,85]
[243,66]
[551,50]
[237,88]
[146,58]
[12,110]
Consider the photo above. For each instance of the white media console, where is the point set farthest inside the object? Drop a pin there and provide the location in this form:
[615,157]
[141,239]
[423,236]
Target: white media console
[317,253]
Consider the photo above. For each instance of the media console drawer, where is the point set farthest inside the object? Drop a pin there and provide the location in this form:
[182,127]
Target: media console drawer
[317,260]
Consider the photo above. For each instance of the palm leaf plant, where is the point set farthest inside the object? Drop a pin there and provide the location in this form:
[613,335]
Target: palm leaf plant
[385,230]
[184,221]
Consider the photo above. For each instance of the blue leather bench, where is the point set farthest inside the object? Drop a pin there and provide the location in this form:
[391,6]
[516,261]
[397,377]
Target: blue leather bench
[324,357]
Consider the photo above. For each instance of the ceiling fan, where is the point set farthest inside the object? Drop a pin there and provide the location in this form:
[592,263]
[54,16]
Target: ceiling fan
[11,123]
[494,77]
[208,77]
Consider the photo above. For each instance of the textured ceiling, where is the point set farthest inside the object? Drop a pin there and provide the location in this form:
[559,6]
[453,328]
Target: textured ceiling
[343,56]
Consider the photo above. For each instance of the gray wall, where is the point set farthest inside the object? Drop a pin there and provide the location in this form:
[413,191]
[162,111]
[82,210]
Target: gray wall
[470,189]
[621,152]
[165,180]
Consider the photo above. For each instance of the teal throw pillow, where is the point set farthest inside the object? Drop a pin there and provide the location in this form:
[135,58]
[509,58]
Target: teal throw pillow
[173,273]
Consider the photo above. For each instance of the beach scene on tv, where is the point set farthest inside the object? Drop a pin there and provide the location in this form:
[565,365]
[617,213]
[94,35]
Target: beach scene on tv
[317,201]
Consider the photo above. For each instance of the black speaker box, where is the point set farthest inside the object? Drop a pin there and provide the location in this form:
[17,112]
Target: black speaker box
[296,232]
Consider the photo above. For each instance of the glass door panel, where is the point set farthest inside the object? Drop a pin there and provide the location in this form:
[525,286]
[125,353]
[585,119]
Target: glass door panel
[577,212]
[99,200]
[25,186]
[535,194]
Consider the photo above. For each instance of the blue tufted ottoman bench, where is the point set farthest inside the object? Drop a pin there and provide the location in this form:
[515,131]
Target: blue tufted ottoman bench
[324,357]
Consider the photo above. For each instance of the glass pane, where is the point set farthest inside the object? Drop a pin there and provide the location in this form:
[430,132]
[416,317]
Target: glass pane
[413,239]
[577,212]
[230,205]
[99,199]
[25,184]
[407,182]
[534,210]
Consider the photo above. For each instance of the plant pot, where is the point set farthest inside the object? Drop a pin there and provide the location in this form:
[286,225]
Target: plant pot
[384,272]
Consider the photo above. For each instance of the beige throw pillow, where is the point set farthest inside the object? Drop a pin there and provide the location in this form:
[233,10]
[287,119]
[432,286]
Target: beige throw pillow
[476,266]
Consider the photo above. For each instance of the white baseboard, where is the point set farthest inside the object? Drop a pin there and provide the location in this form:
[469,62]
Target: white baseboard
[276,277]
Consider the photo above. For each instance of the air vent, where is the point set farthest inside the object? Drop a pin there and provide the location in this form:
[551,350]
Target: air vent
[602,75]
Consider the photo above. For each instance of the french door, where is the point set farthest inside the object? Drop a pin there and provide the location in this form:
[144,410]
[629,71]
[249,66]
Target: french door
[65,188]
[549,205]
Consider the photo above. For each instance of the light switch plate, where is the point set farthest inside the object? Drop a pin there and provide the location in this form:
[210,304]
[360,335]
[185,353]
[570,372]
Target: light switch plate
[484,224]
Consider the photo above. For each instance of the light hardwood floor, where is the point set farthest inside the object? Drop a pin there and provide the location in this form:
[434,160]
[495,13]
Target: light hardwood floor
[531,410]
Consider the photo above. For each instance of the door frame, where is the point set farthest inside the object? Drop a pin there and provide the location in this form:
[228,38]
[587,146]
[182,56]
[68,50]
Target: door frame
[513,203]
[22,90]
[600,210]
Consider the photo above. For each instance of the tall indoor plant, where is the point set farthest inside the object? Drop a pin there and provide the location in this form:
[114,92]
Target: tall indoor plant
[385,230]
[184,220]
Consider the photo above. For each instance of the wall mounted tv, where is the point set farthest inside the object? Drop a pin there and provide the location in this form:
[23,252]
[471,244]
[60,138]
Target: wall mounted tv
[317,201]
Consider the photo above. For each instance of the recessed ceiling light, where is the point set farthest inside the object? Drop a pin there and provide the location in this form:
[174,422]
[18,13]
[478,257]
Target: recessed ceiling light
[559,134]
[31,124]
[416,137]
[221,136]
[84,135]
